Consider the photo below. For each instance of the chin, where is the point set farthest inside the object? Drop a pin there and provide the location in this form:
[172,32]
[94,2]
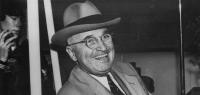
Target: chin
[101,73]
[104,70]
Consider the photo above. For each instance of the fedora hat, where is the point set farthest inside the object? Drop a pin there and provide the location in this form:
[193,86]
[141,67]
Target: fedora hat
[81,17]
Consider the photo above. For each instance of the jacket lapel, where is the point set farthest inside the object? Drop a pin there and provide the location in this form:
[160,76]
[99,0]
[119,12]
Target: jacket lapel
[121,83]
[130,82]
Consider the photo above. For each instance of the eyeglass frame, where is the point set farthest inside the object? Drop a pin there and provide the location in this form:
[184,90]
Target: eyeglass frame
[86,42]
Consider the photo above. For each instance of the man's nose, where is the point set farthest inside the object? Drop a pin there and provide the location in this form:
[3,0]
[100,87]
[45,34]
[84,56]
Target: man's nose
[101,46]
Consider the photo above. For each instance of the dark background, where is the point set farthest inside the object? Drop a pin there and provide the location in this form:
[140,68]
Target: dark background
[147,25]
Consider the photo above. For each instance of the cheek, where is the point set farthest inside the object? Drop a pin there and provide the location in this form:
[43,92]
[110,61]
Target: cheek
[83,55]
[112,51]
[85,59]
[112,54]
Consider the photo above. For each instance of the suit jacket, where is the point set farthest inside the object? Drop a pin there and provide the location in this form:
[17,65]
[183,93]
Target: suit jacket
[81,83]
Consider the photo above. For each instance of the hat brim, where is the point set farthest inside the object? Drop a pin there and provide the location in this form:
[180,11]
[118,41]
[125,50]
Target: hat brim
[61,36]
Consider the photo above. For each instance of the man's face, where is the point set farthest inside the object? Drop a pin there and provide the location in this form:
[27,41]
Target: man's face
[96,60]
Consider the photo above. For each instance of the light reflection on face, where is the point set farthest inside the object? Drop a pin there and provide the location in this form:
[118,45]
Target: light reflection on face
[11,24]
[96,61]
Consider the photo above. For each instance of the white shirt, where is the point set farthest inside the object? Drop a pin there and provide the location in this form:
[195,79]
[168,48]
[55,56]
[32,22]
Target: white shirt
[104,81]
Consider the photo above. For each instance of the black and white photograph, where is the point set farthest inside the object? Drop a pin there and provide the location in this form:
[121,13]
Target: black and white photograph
[99,47]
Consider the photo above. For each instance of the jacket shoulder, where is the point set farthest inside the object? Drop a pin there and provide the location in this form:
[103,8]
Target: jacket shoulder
[69,89]
[125,67]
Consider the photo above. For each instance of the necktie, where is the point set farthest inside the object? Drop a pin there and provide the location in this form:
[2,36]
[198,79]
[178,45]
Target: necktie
[114,89]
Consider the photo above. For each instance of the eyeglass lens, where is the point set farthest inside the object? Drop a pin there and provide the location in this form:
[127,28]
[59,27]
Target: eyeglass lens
[92,42]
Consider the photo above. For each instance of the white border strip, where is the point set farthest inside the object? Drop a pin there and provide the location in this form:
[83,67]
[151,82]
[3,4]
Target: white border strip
[54,55]
[34,47]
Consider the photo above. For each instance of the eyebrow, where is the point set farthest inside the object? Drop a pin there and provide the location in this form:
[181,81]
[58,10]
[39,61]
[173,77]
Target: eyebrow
[89,36]
[106,31]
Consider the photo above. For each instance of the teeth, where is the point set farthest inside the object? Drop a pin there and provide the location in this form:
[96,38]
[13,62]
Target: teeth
[101,56]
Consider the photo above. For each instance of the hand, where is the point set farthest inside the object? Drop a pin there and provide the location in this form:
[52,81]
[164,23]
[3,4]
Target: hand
[2,66]
[5,44]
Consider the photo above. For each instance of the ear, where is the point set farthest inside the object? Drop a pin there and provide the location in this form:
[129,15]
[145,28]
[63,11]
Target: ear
[69,50]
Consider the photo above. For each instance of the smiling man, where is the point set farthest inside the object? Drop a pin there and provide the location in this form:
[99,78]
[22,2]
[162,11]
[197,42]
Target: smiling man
[87,39]
[94,51]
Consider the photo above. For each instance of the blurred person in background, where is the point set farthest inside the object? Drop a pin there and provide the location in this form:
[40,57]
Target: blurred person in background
[14,67]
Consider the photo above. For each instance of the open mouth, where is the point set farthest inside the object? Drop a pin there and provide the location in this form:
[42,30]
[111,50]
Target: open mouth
[102,57]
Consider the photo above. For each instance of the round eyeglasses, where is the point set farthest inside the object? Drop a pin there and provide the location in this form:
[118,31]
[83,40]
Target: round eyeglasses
[92,42]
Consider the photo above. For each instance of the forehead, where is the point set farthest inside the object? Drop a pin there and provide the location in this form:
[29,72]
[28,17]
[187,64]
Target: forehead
[81,36]
[12,18]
